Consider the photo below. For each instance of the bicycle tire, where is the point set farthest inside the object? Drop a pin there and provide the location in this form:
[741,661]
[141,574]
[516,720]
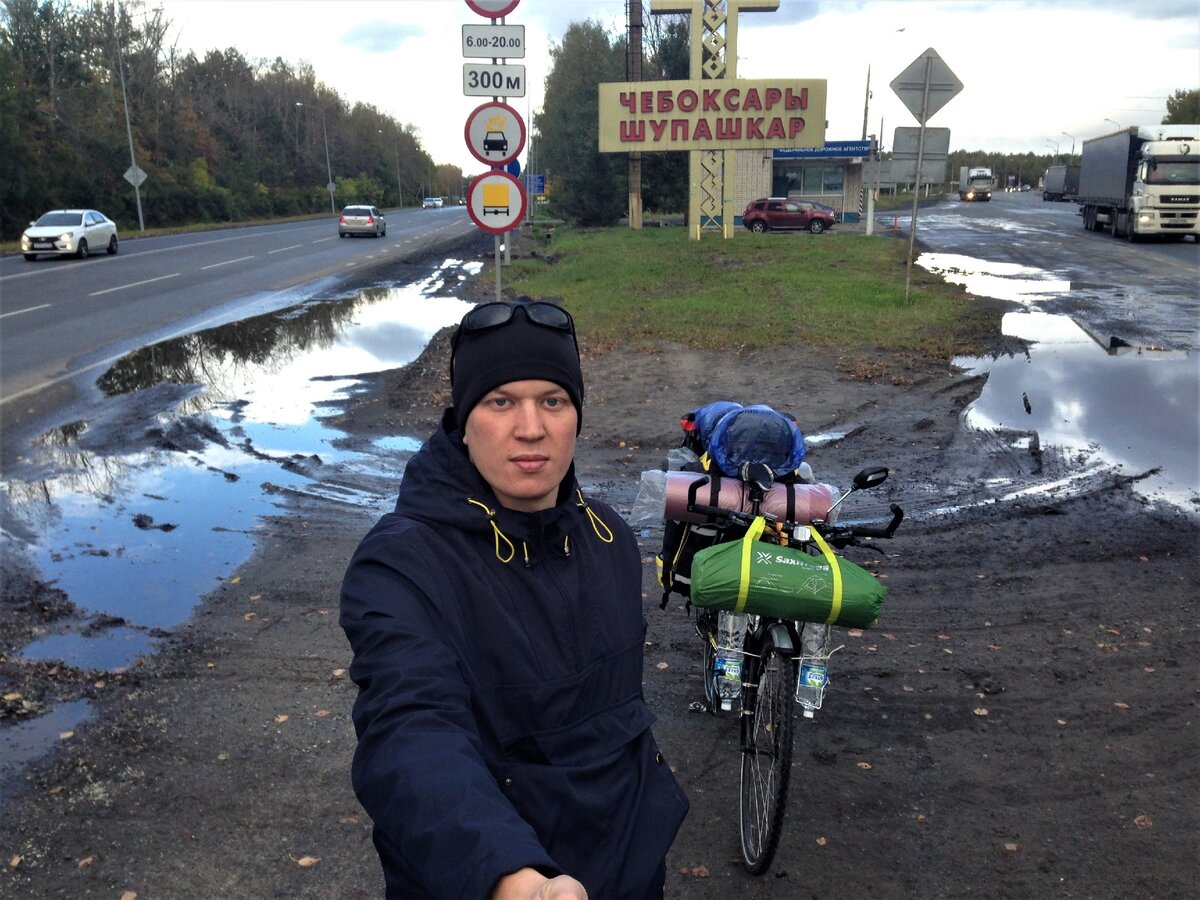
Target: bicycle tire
[766,759]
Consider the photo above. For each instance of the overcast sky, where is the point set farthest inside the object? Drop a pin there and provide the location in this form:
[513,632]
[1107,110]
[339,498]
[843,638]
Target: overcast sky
[1035,72]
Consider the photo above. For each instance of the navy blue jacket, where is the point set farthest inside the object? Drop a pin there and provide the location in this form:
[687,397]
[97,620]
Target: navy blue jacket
[500,715]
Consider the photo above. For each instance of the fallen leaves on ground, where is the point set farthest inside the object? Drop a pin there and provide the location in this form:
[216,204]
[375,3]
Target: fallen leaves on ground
[822,841]
[306,862]
[85,862]
[280,719]
[864,765]
[980,711]
[1011,847]
[662,665]
[1142,820]
[1119,704]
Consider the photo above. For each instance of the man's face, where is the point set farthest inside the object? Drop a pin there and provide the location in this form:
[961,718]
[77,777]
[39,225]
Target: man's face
[521,438]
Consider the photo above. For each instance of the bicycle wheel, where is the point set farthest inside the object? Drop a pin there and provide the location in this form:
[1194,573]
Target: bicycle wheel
[766,758]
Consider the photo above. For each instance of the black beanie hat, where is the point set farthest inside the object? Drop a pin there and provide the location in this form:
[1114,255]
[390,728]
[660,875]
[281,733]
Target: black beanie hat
[518,350]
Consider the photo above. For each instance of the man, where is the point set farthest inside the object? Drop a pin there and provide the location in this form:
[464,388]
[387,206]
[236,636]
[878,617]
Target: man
[504,745]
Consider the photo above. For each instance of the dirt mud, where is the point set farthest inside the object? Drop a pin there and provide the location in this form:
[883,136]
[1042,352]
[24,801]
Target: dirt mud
[1021,722]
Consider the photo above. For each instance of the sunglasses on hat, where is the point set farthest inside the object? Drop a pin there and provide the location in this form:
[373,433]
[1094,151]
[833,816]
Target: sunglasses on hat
[493,315]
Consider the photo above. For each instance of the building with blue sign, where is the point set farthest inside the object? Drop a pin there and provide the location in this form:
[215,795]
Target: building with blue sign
[832,174]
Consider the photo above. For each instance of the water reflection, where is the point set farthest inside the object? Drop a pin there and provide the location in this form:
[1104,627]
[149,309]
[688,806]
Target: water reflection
[1002,280]
[1132,408]
[143,508]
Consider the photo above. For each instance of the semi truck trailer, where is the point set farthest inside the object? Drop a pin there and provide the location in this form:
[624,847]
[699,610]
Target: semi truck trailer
[975,183]
[1061,183]
[1141,182]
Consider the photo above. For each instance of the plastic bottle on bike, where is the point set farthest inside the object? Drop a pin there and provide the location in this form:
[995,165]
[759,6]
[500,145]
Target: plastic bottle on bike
[731,631]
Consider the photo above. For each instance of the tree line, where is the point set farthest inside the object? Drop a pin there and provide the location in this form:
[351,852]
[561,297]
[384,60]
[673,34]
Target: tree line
[222,138]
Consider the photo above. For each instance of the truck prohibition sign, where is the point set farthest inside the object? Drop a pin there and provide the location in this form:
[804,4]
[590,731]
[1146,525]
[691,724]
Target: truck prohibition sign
[483,80]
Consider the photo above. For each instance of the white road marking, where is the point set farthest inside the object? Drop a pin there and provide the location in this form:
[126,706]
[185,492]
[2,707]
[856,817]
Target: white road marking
[17,312]
[228,262]
[134,284]
[281,249]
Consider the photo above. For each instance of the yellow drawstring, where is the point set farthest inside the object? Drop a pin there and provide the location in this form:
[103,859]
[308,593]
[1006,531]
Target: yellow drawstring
[594,519]
[499,535]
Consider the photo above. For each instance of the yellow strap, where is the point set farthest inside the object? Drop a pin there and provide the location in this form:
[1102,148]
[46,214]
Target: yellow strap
[835,608]
[752,534]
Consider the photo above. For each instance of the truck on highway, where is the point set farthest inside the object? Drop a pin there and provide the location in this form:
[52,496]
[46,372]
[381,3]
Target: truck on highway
[975,183]
[1060,183]
[1142,181]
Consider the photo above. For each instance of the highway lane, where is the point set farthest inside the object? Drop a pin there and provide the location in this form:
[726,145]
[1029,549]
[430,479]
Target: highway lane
[60,319]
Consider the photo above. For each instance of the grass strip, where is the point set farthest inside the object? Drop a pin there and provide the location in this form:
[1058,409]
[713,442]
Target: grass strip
[753,291]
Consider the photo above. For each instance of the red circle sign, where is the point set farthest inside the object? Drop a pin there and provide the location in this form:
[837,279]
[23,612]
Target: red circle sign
[493,9]
[496,194]
[495,133]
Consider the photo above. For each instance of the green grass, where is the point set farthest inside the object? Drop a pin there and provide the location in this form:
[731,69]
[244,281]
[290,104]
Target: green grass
[654,285]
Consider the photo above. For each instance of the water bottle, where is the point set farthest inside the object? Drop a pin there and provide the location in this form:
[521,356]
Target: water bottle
[731,631]
[814,673]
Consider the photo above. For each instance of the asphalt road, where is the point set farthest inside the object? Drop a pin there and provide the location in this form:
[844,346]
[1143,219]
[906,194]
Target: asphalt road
[63,318]
[1032,251]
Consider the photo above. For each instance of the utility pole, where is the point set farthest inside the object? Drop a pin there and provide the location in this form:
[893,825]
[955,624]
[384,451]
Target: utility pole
[134,172]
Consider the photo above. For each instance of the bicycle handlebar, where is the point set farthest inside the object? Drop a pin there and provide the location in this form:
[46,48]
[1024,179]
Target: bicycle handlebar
[837,535]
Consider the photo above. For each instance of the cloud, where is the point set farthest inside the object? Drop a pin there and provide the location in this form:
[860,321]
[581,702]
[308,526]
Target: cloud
[380,37]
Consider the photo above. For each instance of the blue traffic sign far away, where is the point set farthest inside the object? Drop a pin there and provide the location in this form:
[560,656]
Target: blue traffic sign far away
[513,168]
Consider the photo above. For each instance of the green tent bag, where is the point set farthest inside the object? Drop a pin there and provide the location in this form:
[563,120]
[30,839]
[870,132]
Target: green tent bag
[756,577]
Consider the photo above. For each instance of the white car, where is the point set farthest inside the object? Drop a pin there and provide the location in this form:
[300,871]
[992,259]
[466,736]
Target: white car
[69,232]
[431,203]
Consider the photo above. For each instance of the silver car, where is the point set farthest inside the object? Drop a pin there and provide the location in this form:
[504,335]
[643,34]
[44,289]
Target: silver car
[69,232]
[361,220]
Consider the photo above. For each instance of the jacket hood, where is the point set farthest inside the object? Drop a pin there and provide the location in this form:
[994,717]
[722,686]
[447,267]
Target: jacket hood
[441,486]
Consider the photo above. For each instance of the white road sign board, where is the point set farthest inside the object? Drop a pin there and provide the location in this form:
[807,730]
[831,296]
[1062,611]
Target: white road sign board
[493,80]
[909,85]
[494,41]
[135,176]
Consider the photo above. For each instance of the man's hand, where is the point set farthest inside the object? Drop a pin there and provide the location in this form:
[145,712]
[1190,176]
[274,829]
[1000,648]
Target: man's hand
[530,884]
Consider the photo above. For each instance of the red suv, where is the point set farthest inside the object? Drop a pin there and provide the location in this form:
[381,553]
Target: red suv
[781,213]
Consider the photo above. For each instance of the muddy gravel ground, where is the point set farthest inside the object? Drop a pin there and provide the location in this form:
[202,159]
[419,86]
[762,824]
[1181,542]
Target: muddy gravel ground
[1020,723]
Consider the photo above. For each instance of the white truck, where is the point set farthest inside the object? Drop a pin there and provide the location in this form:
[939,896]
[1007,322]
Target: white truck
[975,183]
[1142,181]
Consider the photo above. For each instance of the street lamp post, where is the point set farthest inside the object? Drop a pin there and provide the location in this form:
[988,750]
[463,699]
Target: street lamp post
[1115,122]
[399,190]
[329,186]
[1072,137]
[1055,143]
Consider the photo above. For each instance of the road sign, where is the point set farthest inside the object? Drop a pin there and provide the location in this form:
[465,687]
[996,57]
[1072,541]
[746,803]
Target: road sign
[495,41]
[535,184]
[910,85]
[495,133]
[514,168]
[493,80]
[496,202]
[933,156]
[493,9]
[135,176]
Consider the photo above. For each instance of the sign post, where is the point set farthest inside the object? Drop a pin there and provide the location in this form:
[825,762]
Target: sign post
[495,132]
[924,87]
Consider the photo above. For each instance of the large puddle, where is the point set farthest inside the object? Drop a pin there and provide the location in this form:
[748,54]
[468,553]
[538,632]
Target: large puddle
[1104,402]
[151,503]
